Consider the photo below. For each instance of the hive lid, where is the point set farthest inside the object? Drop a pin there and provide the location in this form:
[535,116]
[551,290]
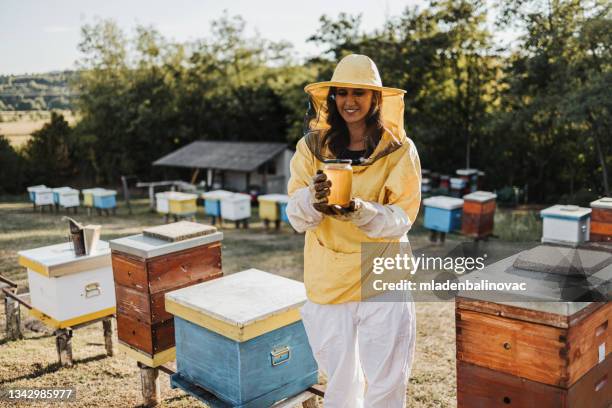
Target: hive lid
[277,198]
[38,187]
[480,196]
[215,194]
[545,292]
[467,172]
[604,202]
[572,212]
[563,260]
[59,260]
[62,189]
[425,180]
[236,197]
[179,196]
[103,192]
[443,202]
[92,190]
[179,231]
[145,247]
[240,306]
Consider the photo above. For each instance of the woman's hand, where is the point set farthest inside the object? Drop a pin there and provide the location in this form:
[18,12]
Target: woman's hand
[319,191]
[358,211]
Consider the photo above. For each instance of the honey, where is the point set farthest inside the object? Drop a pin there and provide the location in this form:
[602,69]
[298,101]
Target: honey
[340,173]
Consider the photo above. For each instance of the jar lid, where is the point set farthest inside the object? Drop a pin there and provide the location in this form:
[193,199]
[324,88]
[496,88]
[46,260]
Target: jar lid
[338,161]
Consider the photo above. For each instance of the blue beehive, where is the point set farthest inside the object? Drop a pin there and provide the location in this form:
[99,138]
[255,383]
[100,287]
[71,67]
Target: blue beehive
[443,213]
[212,201]
[104,199]
[283,211]
[241,339]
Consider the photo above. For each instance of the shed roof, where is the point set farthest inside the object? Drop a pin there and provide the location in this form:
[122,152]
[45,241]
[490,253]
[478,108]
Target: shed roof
[238,156]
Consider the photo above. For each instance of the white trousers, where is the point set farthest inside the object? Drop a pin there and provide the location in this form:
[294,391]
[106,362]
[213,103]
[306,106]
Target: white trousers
[356,338]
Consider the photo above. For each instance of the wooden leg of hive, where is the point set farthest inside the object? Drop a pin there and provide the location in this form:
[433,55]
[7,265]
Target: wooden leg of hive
[13,319]
[310,403]
[107,326]
[63,343]
[149,378]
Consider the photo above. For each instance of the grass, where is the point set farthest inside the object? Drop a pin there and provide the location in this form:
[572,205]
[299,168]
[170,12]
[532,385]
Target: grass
[114,381]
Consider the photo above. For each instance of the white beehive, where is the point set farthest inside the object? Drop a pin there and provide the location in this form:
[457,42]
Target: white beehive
[565,224]
[236,207]
[66,289]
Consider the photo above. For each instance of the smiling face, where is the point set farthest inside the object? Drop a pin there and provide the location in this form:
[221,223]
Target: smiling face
[353,104]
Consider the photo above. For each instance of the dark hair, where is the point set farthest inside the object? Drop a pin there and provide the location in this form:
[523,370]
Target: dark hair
[338,138]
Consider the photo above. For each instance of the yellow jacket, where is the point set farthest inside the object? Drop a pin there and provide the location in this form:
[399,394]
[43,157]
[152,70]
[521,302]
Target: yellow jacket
[332,251]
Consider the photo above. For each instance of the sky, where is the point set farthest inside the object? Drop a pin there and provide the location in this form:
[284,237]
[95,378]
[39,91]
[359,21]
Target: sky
[39,36]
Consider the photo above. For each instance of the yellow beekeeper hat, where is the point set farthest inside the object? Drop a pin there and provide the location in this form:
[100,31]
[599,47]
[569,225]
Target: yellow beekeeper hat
[354,71]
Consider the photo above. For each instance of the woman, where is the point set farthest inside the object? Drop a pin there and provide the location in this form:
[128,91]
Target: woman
[355,117]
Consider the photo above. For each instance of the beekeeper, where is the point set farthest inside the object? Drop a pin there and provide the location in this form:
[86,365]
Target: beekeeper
[354,117]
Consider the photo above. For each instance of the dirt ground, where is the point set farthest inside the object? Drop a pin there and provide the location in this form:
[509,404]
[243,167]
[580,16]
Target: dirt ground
[102,381]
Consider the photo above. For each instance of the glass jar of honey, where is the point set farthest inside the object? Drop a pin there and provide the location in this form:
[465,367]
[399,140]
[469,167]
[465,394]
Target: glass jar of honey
[340,173]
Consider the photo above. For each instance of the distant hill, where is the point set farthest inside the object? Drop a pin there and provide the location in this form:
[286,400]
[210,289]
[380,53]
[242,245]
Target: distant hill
[36,91]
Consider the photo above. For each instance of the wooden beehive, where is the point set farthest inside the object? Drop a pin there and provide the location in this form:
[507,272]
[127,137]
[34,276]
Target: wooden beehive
[145,268]
[540,351]
[241,338]
[601,220]
[478,214]
[67,290]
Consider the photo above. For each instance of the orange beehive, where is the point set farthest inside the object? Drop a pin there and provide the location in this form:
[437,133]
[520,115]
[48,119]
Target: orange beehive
[478,214]
[601,220]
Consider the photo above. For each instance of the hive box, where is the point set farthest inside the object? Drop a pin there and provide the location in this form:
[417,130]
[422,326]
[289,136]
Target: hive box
[478,214]
[104,199]
[458,187]
[601,220]
[236,207]
[471,178]
[565,224]
[144,269]
[212,201]
[88,200]
[66,290]
[162,206]
[41,195]
[425,185]
[442,214]
[540,347]
[269,206]
[66,197]
[241,338]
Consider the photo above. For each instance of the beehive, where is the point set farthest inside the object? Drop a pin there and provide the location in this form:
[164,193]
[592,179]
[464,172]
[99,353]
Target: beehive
[601,220]
[478,214]
[442,214]
[458,187]
[548,346]
[145,268]
[270,206]
[241,338]
[104,199]
[88,200]
[212,201]
[66,290]
[567,224]
[66,197]
[41,195]
[236,207]
[471,178]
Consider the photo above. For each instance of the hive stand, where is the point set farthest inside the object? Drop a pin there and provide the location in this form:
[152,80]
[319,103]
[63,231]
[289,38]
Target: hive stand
[63,340]
[12,308]
[149,378]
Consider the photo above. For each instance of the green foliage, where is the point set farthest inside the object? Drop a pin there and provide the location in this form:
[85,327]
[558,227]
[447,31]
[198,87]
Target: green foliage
[51,153]
[12,165]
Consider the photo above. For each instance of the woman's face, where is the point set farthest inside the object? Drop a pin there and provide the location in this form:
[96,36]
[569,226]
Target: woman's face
[353,104]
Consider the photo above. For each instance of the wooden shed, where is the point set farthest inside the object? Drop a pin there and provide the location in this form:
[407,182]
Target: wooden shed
[234,165]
